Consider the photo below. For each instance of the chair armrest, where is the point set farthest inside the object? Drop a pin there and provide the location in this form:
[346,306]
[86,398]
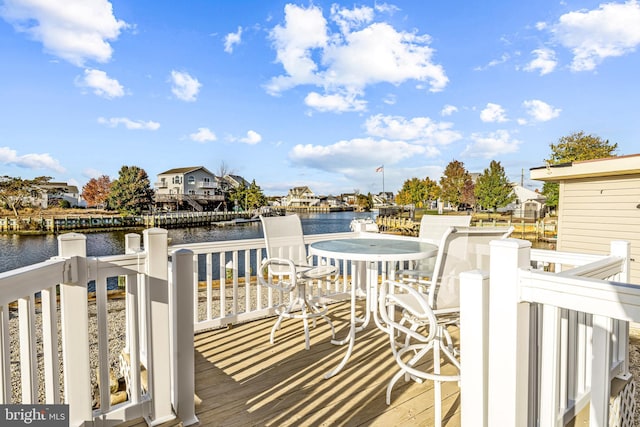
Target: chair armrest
[283,269]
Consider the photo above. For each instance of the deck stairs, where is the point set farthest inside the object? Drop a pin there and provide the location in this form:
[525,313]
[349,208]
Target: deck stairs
[195,205]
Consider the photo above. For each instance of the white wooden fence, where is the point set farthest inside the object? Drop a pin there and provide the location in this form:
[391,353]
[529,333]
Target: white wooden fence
[537,346]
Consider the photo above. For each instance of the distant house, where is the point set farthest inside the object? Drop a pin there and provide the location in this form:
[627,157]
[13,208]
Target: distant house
[300,197]
[331,202]
[235,181]
[599,201]
[529,204]
[382,199]
[55,194]
[189,188]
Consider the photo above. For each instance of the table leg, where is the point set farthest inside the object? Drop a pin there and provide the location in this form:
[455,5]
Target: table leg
[351,337]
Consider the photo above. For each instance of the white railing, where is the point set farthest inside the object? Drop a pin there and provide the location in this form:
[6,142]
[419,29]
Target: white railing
[54,363]
[542,345]
[225,286]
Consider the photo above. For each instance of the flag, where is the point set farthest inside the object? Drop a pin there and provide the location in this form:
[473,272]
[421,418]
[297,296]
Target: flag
[380,169]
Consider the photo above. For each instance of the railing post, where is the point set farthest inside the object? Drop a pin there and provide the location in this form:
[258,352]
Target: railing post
[75,329]
[183,347]
[508,335]
[474,348]
[159,357]
[131,246]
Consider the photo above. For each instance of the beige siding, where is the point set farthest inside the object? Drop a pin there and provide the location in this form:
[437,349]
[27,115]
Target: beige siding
[595,211]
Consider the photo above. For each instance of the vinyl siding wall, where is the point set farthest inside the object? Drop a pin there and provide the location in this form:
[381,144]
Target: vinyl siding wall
[595,211]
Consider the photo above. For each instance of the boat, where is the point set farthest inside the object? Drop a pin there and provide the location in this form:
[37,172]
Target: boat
[364,224]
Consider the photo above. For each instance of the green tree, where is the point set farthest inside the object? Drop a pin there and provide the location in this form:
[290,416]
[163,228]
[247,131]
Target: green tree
[365,202]
[247,198]
[131,193]
[572,148]
[254,198]
[493,189]
[14,192]
[417,192]
[453,183]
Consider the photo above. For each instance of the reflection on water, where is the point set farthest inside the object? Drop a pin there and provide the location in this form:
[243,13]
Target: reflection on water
[19,251]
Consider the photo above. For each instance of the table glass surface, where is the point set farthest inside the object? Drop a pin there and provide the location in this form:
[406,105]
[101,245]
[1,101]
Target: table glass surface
[370,248]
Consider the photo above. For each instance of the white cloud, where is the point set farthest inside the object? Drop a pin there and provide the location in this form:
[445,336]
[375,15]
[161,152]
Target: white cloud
[448,110]
[540,111]
[129,124]
[420,130]
[232,39]
[348,19]
[252,138]
[544,61]
[74,30]
[594,35]
[92,173]
[491,145]
[101,83]
[203,135]
[349,56]
[335,102]
[493,113]
[184,87]
[504,58]
[10,157]
[339,157]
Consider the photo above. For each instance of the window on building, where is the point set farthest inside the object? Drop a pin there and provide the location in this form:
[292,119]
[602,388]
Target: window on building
[191,179]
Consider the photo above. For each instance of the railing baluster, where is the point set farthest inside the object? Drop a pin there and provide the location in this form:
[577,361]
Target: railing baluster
[5,356]
[28,359]
[50,345]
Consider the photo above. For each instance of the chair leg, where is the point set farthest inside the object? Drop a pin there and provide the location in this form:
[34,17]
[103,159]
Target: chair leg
[308,311]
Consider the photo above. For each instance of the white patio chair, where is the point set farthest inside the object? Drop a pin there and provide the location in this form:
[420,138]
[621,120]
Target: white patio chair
[288,269]
[458,251]
[421,346]
[432,229]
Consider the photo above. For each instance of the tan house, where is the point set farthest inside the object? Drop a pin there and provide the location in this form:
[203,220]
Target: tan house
[301,197]
[599,201]
[193,188]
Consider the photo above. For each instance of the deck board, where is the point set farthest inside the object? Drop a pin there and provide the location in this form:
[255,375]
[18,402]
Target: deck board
[243,380]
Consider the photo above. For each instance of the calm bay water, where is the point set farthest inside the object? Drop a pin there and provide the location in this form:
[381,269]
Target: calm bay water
[19,251]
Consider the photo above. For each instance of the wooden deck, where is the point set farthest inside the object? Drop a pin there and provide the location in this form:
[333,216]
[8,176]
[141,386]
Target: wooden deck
[243,380]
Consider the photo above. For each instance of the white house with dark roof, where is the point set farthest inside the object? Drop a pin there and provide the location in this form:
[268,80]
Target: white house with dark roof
[54,193]
[189,188]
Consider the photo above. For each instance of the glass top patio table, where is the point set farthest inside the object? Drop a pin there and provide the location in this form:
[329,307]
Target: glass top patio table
[367,253]
[374,249]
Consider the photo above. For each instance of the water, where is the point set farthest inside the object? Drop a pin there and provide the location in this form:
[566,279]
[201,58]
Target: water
[18,250]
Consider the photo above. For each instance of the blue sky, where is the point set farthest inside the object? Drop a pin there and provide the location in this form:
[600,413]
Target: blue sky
[310,93]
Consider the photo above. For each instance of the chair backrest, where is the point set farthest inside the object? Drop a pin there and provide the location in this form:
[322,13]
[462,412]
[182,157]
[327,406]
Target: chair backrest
[433,227]
[284,238]
[460,250]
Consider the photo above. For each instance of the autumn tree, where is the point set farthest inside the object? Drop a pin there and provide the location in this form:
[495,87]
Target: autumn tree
[572,148]
[493,189]
[131,193]
[417,191]
[96,191]
[14,192]
[453,183]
